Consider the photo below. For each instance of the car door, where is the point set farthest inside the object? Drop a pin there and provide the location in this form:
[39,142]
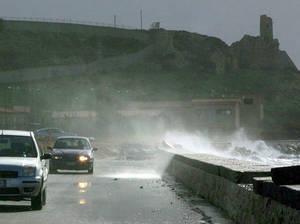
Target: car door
[43,164]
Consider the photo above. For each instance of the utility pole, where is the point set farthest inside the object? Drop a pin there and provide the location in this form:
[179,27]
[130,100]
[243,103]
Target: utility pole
[141,18]
[115,21]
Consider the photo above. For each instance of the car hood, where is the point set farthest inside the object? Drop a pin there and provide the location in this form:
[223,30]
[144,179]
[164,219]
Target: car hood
[18,161]
[71,152]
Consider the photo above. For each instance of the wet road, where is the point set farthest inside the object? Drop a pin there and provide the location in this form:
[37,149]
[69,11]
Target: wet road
[119,191]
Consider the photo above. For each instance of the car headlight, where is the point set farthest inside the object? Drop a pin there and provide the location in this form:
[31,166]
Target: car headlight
[57,157]
[28,171]
[83,158]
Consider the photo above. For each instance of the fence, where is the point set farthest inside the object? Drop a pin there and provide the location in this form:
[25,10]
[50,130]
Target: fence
[67,21]
[89,23]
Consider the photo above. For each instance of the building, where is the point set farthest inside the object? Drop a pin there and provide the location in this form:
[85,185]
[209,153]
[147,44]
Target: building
[16,117]
[212,115]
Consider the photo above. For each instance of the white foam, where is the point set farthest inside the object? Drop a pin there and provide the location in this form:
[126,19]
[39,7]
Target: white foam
[237,146]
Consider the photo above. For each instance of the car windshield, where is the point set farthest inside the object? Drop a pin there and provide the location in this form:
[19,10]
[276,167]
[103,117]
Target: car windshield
[72,143]
[17,146]
[54,131]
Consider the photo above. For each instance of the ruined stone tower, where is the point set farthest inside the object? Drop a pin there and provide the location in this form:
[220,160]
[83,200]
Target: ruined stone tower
[266,28]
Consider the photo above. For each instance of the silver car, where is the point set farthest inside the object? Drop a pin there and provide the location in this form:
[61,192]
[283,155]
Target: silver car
[72,153]
[23,168]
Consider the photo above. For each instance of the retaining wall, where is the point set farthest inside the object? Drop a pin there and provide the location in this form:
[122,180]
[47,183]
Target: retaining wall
[234,196]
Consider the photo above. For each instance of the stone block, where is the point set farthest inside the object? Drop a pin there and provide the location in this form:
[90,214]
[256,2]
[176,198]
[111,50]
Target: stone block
[286,175]
[242,205]
[287,194]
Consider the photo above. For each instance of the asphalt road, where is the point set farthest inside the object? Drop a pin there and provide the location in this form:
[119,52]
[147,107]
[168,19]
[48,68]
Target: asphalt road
[124,189]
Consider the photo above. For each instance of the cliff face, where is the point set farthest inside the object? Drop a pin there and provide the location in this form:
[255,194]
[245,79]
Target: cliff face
[257,53]
[261,52]
[213,55]
[253,52]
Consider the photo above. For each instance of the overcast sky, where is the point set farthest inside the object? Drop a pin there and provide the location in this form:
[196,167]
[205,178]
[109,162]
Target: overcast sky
[226,19]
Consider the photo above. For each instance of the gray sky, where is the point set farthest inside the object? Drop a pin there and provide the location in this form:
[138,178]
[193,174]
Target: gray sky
[226,19]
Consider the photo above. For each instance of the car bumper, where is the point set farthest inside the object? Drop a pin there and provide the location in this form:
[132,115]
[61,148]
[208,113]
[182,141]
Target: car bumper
[70,165]
[19,188]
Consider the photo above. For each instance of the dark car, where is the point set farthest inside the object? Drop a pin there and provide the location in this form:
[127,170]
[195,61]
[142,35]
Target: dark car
[72,153]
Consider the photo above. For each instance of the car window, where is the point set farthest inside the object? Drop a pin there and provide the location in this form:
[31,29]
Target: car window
[42,132]
[17,146]
[55,131]
[68,143]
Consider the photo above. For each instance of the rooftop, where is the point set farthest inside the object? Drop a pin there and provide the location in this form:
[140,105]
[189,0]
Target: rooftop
[15,132]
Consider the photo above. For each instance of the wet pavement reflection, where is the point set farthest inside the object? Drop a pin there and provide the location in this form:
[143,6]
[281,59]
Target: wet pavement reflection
[83,187]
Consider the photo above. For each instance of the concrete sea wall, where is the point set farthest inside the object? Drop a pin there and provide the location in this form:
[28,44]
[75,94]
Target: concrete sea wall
[236,198]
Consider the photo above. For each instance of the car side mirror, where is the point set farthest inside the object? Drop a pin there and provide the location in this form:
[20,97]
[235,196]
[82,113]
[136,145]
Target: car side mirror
[95,149]
[46,156]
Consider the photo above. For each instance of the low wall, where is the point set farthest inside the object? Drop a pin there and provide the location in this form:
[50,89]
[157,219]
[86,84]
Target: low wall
[237,199]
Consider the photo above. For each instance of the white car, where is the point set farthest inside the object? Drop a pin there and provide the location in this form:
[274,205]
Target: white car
[23,168]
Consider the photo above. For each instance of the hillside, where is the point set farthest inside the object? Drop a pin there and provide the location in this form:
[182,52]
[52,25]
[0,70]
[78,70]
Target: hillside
[37,44]
[121,65]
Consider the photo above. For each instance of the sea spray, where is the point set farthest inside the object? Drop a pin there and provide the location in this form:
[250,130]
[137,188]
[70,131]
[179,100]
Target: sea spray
[237,146]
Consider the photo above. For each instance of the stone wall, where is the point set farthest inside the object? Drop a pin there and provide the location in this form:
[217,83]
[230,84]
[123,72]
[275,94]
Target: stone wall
[239,202]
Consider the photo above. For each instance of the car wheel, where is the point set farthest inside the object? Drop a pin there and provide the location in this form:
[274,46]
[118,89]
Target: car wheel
[38,201]
[44,198]
[52,168]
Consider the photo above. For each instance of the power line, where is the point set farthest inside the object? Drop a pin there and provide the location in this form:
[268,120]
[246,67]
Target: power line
[115,21]
[141,18]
